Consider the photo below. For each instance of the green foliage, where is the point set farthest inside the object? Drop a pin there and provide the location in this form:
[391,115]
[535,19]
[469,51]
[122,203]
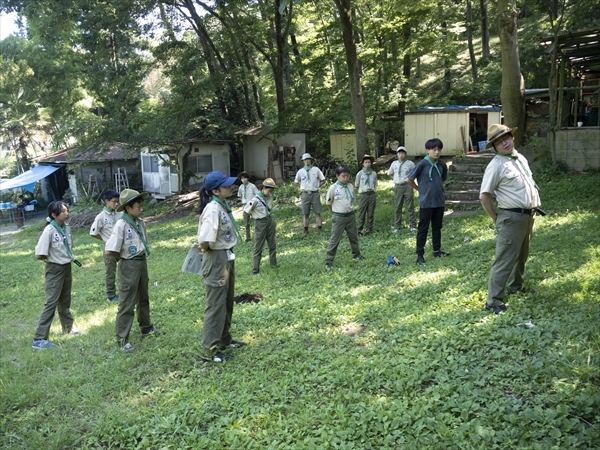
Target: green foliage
[364,356]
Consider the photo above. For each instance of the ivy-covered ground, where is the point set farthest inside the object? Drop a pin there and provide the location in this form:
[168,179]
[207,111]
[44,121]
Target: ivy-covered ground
[362,357]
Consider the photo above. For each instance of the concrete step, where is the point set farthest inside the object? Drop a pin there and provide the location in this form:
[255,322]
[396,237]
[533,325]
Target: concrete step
[462,195]
[479,158]
[465,176]
[463,204]
[475,168]
[463,185]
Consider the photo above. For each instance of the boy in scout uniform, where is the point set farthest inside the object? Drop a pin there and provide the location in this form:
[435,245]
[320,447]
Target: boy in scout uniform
[129,242]
[55,248]
[366,183]
[309,179]
[102,229]
[246,192]
[402,190]
[340,200]
[260,209]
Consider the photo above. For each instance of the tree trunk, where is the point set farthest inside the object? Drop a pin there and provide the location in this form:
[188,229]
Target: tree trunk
[470,41]
[485,31]
[354,71]
[513,86]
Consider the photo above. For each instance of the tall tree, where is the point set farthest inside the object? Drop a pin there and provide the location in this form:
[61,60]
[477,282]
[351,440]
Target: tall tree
[513,86]
[485,30]
[470,41]
[354,77]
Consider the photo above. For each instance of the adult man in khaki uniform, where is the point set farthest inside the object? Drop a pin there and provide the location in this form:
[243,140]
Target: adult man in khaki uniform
[509,178]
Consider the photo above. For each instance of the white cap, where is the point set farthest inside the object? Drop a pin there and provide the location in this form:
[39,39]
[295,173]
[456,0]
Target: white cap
[401,149]
[306,156]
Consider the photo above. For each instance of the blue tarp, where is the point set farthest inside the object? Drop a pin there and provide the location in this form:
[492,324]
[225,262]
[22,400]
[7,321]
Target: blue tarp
[27,179]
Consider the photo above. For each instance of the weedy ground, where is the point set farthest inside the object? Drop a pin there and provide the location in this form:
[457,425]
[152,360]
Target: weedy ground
[365,356]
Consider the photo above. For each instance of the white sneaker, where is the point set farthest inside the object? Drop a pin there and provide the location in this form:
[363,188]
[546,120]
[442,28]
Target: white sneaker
[127,348]
[395,231]
[414,230]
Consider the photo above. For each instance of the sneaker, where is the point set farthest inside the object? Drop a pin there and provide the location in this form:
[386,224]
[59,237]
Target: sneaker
[73,333]
[496,309]
[152,332]
[255,272]
[248,240]
[360,233]
[41,344]
[522,290]
[114,299]
[395,231]
[367,233]
[420,260]
[218,357]
[305,232]
[328,266]
[236,344]
[440,254]
[413,229]
[358,258]
[128,348]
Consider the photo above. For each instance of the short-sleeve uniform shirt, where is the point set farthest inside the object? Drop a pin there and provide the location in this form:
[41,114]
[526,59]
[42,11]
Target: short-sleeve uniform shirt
[341,198]
[401,170]
[126,240]
[309,180]
[246,192]
[257,207]
[364,182]
[51,244]
[104,223]
[216,228]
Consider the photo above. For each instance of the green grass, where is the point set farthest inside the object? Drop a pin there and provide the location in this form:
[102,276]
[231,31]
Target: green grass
[430,369]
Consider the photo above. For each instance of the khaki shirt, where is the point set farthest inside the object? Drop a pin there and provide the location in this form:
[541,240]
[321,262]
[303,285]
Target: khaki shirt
[215,227]
[340,199]
[52,245]
[247,192]
[126,241]
[103,224]
[311,180]
[361,181]
[511,181]
[257,209]
[401,172]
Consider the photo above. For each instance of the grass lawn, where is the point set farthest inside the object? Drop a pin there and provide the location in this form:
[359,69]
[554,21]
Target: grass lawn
[361,357]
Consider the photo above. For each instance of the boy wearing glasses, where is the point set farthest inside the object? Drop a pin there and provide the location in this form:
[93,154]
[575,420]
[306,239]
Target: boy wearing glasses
[101,229]
[430,174]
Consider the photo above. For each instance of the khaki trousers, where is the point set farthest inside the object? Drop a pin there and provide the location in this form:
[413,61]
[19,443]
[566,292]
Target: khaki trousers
[219,279]
[366,210]
[247,219]
[57,284]
[512,250]
[404,192]
[133,297]
[340,224]
[264,231]
[110,266]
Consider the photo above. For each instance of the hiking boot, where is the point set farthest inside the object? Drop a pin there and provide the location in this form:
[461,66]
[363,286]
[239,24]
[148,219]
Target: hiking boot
[41,344]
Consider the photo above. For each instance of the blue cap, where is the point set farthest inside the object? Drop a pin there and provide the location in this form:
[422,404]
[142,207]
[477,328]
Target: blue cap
[215,179]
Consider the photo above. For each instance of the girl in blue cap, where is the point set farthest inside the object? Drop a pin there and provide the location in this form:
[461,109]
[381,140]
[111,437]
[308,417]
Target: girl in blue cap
[217,235]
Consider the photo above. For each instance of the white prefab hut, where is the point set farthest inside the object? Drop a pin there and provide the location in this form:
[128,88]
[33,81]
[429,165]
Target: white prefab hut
[458,127]
[268,155]
[161,170]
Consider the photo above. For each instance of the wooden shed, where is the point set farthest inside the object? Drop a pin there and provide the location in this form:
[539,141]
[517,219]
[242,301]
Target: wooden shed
[342,141]
[458,127]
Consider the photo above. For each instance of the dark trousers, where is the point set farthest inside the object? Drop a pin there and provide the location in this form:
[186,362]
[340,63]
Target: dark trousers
[58,296]
[435,216]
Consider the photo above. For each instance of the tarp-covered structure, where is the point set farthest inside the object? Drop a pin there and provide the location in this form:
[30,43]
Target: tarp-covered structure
[27,179]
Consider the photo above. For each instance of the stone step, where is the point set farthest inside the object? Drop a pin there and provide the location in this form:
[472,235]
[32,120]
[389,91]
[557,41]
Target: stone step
[463,204]
[462,195]
[463,185]
[465,176]
[475,168]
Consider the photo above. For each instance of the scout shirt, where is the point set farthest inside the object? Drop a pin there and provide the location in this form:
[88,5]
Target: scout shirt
[366,182]
[401,170]
[259,207]
[509,178]
[126,241]
[52,245]
[341,198]
[247,192]
[309,180]
[104,222]
[216,228]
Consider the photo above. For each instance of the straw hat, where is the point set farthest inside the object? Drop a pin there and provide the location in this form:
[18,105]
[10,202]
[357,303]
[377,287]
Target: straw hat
[127,196]
[496,131]
[368,157]
[270,183]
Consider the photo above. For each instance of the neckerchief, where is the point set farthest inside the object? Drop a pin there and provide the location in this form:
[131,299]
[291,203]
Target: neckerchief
[525,171]
[345,186]
[63,232]
[261,198]
[308,171]
[368,174]
[400,167]
[245,187]
[110,212]
[127,218]
[432,165]
[228,209]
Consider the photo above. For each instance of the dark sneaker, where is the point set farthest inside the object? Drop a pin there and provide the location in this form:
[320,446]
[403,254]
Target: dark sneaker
[152,332]
[368,232]
[305,232]
[218,357]
[248,240]
[420,260]
[114,299]
[255,272]
[41,344]
[496,309]
[440,254]
[237,344]
[358,258]
[328,266]
[360,233]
